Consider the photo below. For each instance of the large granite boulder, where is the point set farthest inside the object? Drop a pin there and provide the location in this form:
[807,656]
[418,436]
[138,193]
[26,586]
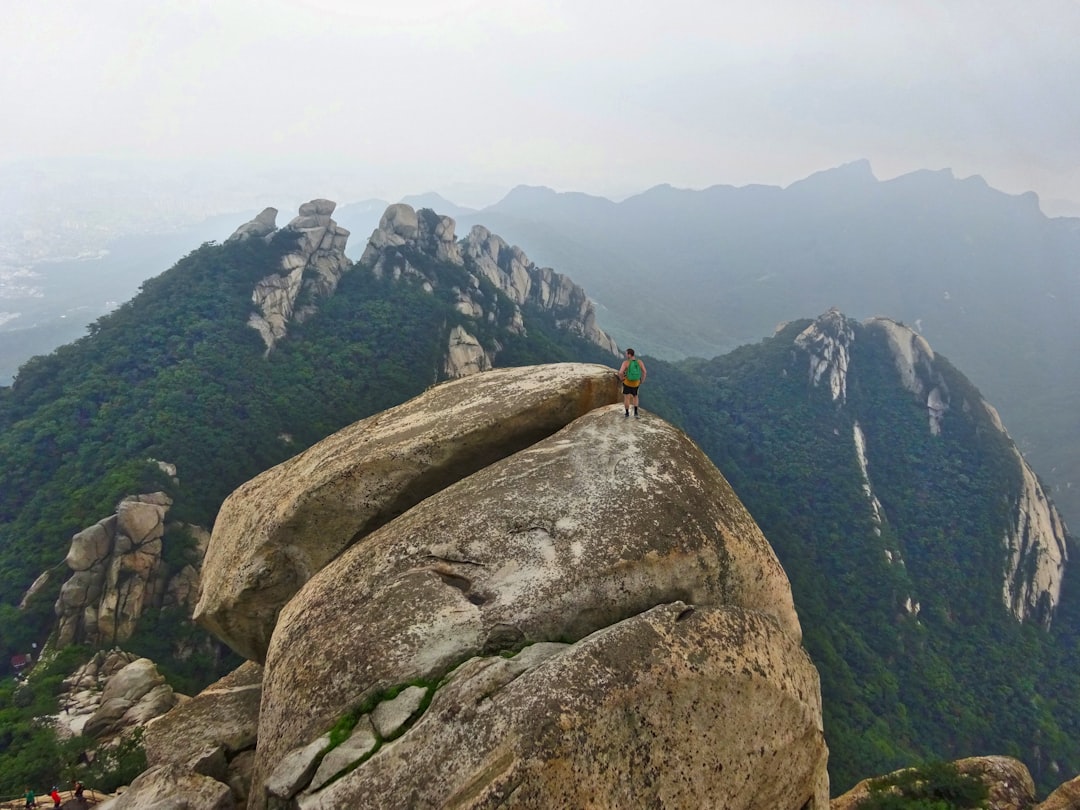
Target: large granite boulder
[168,787]
[279,529]
[582,531]
[1008,782]
[223,717]
[1066,797]
[131,697]
[675,707]
[117,573]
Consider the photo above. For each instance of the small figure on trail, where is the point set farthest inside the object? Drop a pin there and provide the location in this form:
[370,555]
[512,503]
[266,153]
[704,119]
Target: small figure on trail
[632,374]
[79,792]
[55,796]
[31,800]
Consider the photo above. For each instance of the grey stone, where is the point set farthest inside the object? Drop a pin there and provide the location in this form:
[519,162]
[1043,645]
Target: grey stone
[279,529]
[390,715]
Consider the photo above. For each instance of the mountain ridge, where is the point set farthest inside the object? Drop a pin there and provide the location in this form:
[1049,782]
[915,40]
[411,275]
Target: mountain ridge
[908,647]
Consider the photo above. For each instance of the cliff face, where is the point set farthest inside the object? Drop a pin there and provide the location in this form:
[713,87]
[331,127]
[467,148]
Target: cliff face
[118,574]
[310,272]
[1034,541]
[584,615]
[487,260]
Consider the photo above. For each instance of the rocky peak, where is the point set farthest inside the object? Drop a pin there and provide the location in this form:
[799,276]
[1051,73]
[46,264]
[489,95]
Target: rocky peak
[828,341]
[118,573]
[488,258]
[915,363]
[454,583]
[1035,539]
[262,226]
[424,230]
[314,267]
[1035,543]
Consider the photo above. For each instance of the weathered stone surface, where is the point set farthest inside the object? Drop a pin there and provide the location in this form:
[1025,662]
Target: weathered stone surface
[239,776]
[277,530]
[1010,784]
[91,546]
[295,769]
[225,714]
[484,256]
[315,267]
[263,225]
[170,787]
[132,696]
[465,355]
[391,715]
[117,573]
[599,522]
[359,744]
[83,690]
[671,708]
[1066,797]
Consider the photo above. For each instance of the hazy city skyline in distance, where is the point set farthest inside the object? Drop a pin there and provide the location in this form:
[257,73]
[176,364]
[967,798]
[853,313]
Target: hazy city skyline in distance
[604,97]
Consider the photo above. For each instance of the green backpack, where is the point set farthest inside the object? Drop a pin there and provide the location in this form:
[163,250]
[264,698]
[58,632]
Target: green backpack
[633,371]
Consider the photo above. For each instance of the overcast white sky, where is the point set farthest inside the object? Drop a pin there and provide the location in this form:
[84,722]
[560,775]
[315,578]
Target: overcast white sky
[604,96]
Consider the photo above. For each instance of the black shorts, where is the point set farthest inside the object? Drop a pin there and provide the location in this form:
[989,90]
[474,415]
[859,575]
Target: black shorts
[632,390]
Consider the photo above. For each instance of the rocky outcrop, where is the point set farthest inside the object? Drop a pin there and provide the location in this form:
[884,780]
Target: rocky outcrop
[262,226]
[279,529]
[131,697]
[914,361]
[407,242]
[112,693]
[1035,544]
[511,271]
[1066,797]
[308,273]
[424,230]
[1037,553]
[534,615]
[465,355]
[169,786]
[573,540]
[1008,781]
[827,342]
[118,573]
[210,737]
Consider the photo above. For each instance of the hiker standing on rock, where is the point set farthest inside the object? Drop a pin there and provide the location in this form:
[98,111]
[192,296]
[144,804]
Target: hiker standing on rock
[632,374]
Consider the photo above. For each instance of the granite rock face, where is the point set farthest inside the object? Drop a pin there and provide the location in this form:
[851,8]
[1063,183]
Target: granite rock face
[1007,780]
[1034,542]
[499,281]
[503,592]
[118,574]
[276,531]
[314,267]
[675,707]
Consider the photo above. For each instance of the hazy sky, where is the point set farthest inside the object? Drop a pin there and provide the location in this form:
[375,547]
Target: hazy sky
[603,96]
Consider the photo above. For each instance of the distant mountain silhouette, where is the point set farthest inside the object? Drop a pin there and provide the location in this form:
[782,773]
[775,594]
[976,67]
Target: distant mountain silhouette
[984,275]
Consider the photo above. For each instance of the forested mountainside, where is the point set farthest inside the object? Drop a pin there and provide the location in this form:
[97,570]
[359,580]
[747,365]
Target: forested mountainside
[178,375]
[983,275]
[931,636]
[903,515]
